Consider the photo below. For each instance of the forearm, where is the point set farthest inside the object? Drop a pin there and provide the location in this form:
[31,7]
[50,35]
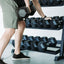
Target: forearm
[27,3]
[38,8]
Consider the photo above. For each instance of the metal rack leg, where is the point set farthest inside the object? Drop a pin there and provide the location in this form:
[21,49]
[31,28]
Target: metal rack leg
[61,56]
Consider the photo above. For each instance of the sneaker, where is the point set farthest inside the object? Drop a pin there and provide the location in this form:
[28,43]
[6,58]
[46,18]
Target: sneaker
[20,56]
[1,62]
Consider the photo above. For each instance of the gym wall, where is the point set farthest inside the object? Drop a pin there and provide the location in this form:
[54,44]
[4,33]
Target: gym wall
[49,11]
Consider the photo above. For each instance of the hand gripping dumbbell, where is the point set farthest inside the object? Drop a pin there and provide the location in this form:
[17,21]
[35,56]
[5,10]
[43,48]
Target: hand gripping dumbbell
[23,12]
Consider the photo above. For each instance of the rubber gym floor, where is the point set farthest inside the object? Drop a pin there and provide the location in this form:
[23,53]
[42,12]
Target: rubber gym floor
[36,57]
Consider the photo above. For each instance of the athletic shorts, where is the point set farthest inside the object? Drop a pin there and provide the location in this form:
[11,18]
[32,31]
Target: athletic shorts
[9,9]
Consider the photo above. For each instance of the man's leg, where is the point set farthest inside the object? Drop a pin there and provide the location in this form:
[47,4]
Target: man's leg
[5,39]
[18,36]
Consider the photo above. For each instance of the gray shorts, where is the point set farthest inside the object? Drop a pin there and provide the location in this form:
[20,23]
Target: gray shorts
[9,8]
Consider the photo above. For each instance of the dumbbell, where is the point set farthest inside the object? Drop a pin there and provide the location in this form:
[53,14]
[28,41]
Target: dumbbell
[43,2]
[46,23]
[44,39]
[57,2]
[62,3]
[33,9]
[62,18]
[22,45]
[34,45]
[12,51]
[27,45]
[50,2]
[37,38]
[31,38]
[25,37]
[13,43]
[56,18]
[54,24]
[28,23]
[37,18]
[33,23]
[40,23]
[42,46]
[52,42]
[23,12]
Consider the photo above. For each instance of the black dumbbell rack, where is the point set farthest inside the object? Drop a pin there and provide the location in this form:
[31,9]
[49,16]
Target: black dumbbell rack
[61,56]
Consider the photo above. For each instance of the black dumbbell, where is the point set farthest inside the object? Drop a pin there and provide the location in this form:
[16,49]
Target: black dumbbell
[46,23]
[56,18]
[28,23]
[25,37]
[50,2]
[57,2]
[31,38]
[12,51]
[34,45]
[40,23]
[23,12]
[62,18]
[37,38]
[42,46]
[54,24]
[52,42]
[38,18]
[43,2]
[22,45]
[13,43]
[27,45]
[44,39]
[62,3]
[33,9]
[33,23]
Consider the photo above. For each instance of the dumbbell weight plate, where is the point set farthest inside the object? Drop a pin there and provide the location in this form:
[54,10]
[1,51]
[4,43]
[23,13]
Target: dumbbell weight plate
[27,45]
[56,18]
[40,23]
[33,23]
[46,23]
[52,42]
[25,37]
[54,24]
[50,2]
[34,46]
[44,39]
[31,38]
[13,43]
[42,46]
[28,23]
[22,45]
[37,38]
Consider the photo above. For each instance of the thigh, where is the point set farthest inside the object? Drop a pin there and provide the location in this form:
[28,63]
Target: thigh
[9,14]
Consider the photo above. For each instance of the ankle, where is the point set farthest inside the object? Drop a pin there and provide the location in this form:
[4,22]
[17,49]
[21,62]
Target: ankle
[16,52]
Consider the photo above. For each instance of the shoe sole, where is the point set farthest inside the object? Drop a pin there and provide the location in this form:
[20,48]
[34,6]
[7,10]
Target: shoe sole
[20,59]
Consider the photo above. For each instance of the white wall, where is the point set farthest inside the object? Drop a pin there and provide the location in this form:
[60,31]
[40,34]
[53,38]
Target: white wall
[49,11]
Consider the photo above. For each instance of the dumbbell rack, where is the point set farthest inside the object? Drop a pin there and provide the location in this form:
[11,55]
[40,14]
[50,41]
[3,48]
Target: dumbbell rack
[61,56]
